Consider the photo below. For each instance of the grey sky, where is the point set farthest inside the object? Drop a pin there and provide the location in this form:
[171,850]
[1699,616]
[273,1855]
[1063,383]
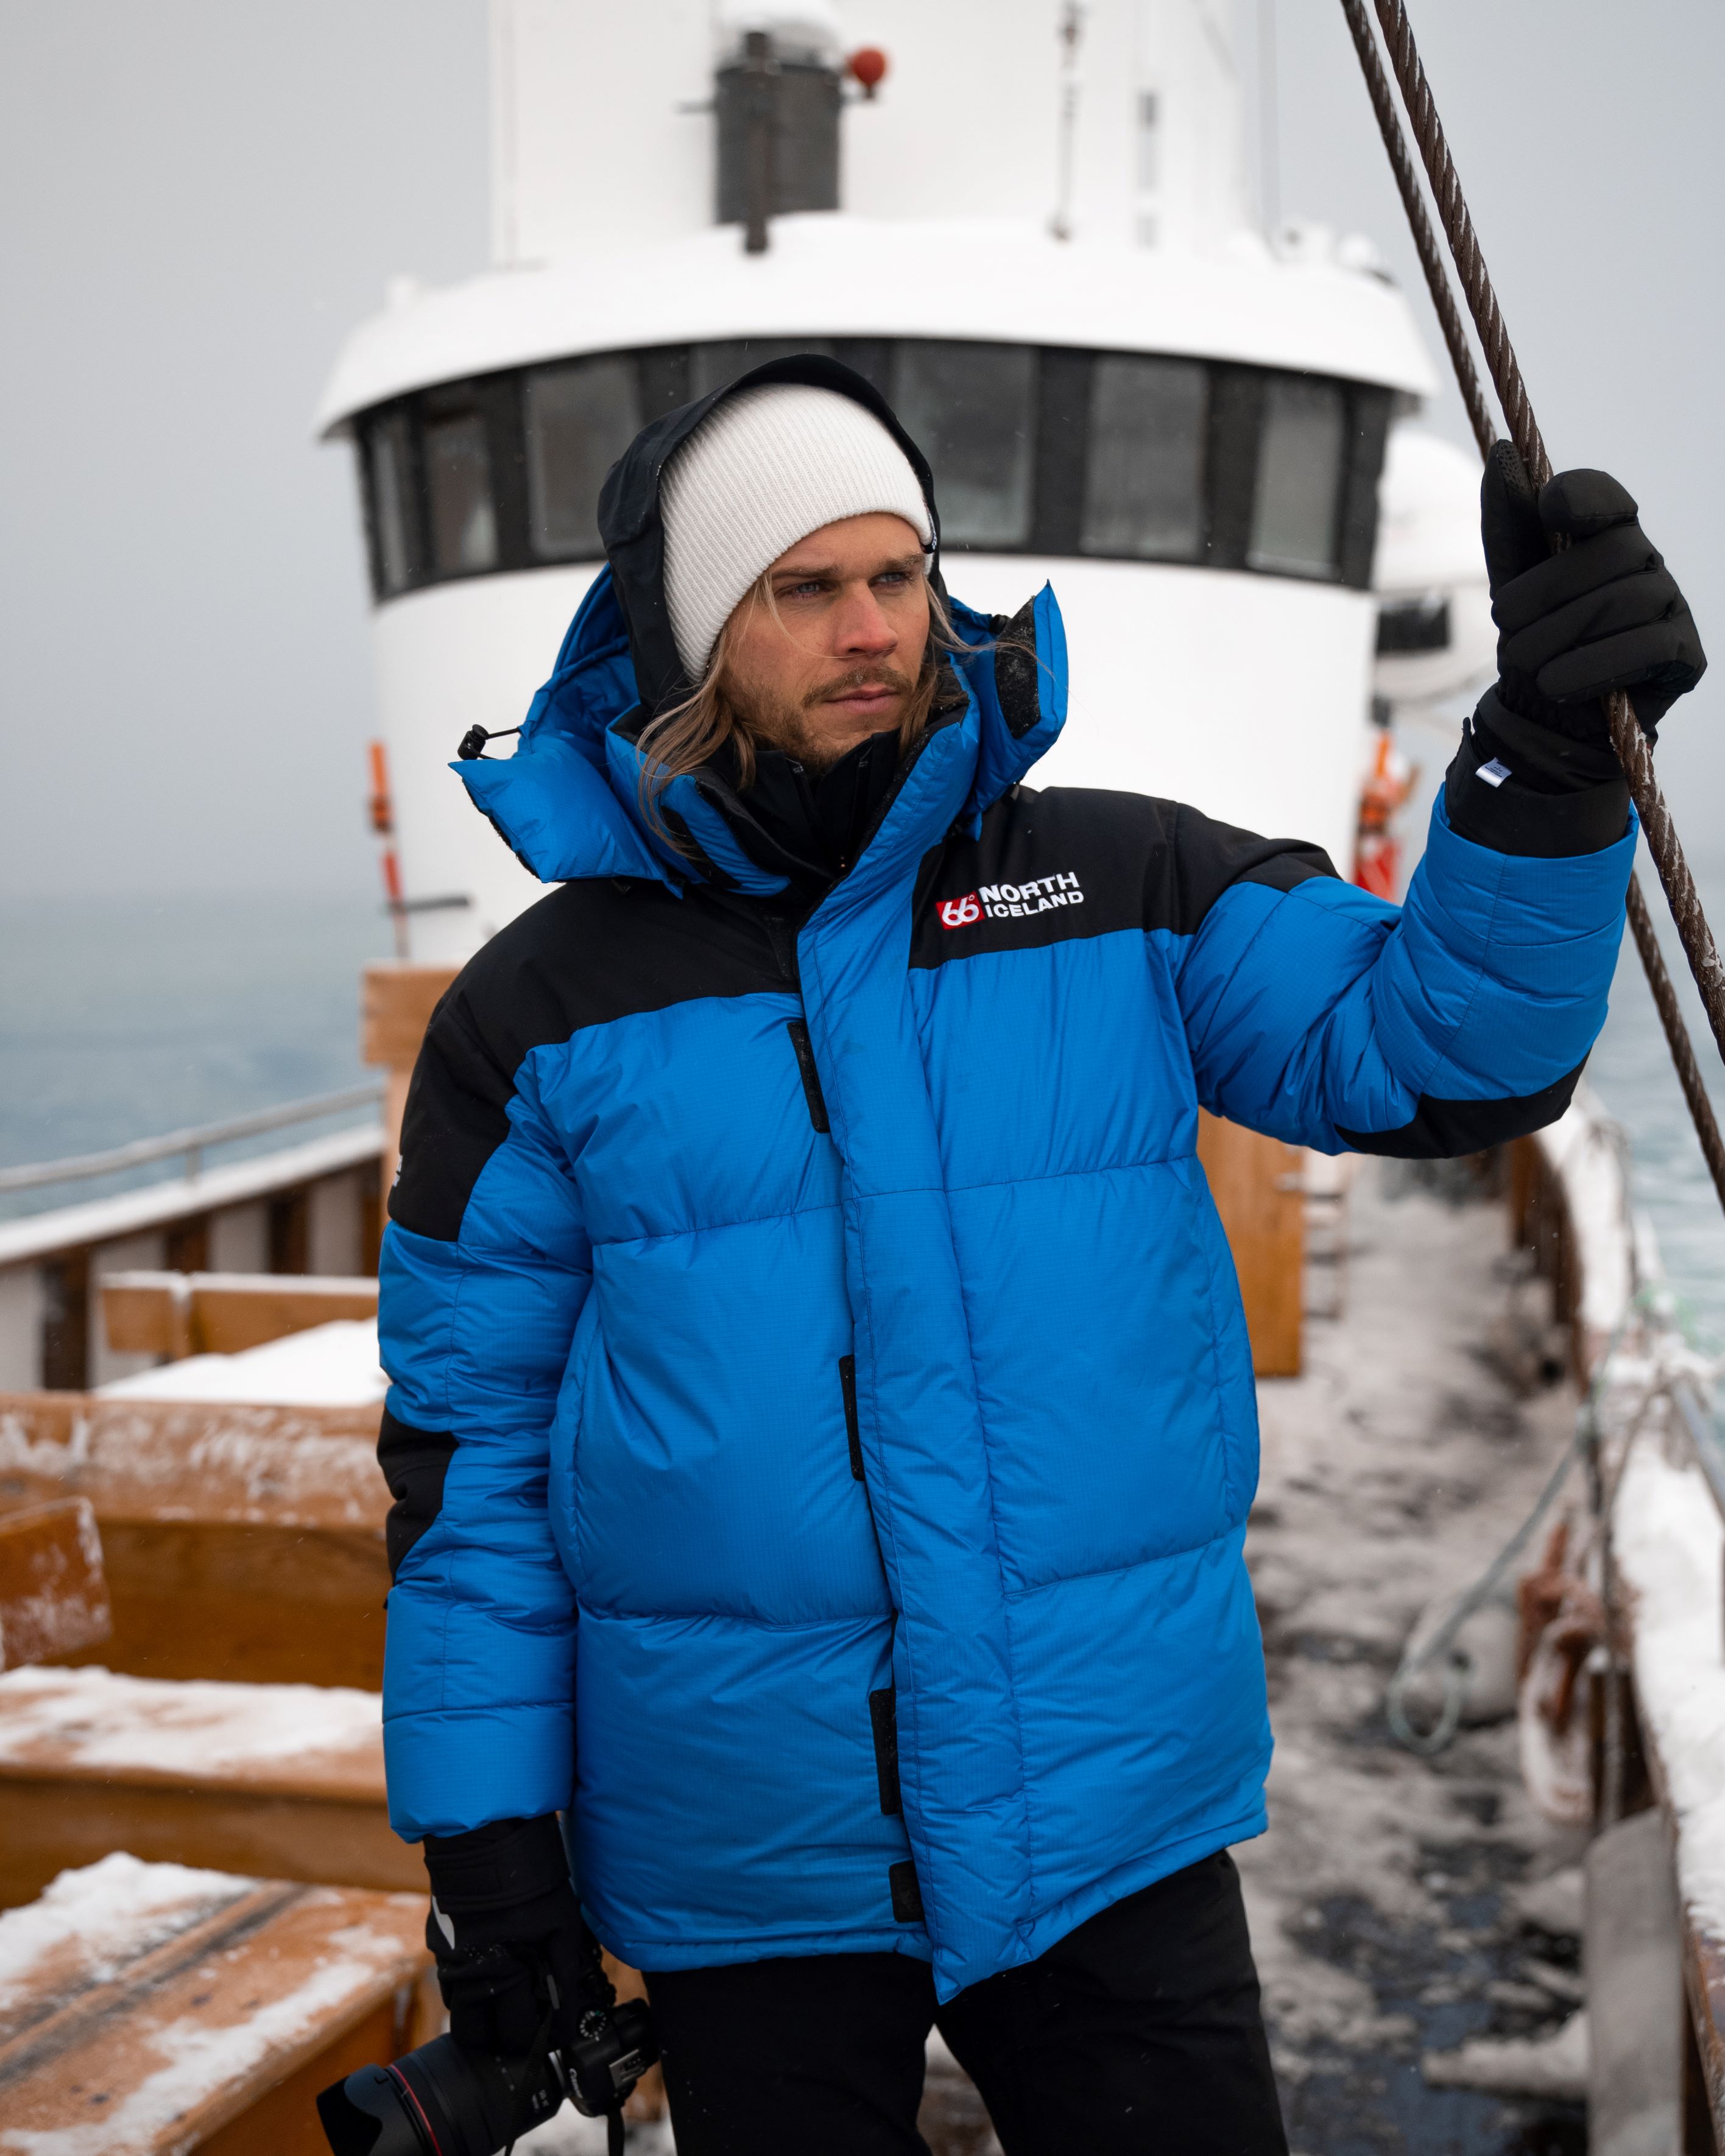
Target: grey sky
[201,197]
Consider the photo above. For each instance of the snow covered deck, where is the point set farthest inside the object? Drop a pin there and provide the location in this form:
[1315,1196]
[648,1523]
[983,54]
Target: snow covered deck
[1401,1906]
[147,2008]
[1418,1921]
[284,1779]
[331,1365]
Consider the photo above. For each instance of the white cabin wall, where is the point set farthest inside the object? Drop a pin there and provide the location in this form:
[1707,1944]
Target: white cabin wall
[449,658]
[1188,59]
[588,148]
[966,122]
[1245,696]
[591,147]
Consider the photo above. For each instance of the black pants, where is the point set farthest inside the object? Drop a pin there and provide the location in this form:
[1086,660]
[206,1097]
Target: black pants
[1139,2032]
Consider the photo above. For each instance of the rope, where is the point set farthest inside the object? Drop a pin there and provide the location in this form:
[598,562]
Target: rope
[1631,744]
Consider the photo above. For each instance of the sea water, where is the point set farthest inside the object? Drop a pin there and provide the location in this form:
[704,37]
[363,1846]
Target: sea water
[120,1019]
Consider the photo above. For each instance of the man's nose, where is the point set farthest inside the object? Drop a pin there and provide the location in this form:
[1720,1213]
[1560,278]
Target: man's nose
[863,630]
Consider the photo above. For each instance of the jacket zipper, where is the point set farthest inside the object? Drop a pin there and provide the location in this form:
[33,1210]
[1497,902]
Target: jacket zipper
[784,945]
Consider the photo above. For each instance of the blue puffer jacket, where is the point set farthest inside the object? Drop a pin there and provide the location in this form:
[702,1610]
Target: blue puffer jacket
[822,1422]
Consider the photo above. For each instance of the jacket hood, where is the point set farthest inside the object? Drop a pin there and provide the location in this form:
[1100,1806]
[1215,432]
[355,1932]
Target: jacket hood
[568,801]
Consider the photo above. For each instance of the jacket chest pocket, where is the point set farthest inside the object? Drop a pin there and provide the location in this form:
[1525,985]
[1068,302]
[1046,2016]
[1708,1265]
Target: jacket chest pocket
[1057,1061]
[695,1116]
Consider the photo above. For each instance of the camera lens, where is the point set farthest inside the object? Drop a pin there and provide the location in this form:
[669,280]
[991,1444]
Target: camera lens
[368,2115]
[439,2100]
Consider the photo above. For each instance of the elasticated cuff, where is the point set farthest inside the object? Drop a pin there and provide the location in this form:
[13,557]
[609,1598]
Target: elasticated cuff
[509,1879]
[1511,818]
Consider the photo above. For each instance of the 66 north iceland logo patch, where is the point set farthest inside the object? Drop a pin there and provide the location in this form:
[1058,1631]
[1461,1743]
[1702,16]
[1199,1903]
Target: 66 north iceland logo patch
[1004,901]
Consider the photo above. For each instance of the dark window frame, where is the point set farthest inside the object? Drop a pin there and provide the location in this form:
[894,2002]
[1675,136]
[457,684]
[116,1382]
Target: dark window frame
[543,551]
[414,526]
[1061,398]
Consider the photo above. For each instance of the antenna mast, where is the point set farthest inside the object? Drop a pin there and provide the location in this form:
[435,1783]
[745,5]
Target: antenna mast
[1071,31]
[1269,128]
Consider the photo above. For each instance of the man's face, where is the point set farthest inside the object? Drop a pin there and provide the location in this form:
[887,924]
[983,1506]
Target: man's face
[836,656]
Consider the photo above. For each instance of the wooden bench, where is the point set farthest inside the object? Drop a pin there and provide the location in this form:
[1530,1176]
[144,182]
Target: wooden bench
[181,1314]
[149,2011]
[1257,1185]
[53,1596]
[282,1780]
[244,1542]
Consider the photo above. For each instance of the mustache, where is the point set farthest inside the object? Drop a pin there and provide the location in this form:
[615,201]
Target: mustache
[861,677]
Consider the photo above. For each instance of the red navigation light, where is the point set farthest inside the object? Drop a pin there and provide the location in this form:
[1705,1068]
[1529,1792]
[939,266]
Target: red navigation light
[868,66]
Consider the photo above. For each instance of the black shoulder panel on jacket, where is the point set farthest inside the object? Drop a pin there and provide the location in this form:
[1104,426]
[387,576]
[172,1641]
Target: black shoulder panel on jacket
[414,1463]
[588,954]
[1446,1130]
[1048,868]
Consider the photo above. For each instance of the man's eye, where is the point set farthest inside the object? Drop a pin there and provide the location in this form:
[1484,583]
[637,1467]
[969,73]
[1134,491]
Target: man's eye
[802,591]
[899,577]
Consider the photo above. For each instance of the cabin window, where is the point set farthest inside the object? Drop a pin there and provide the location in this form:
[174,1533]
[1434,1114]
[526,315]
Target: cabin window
[579,419]
[711,366]
[1296,507]
[1123,456]
[1143,487]
[458,482]
[387,454]
[972,408]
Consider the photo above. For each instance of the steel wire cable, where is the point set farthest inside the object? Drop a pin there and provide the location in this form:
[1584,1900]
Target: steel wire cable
[1676,1033]
[1631,743]
[1425,241]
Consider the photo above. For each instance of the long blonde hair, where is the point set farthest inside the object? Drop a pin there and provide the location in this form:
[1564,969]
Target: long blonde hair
[691,733]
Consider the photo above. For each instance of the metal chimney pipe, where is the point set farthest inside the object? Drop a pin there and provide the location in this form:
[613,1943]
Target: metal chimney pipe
[760,83]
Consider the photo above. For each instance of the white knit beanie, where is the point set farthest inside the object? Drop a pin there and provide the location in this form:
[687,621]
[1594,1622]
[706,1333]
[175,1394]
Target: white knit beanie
[762,470]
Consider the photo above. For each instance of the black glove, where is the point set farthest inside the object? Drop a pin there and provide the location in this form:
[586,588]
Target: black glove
[1603,613]
[516,1964]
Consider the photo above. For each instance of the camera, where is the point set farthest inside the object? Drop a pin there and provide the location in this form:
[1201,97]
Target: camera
[446,2100]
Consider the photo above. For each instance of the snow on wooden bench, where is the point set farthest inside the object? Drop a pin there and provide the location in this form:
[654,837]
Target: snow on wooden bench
[181,1314]
[95,1420]
[241,1542]
[53,1595]
[281,1779]
[147,2008]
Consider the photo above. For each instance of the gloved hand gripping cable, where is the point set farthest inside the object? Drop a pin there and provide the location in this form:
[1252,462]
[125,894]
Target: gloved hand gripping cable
[1643,635]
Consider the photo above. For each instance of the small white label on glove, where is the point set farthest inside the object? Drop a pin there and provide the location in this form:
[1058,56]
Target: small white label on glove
[1494,774]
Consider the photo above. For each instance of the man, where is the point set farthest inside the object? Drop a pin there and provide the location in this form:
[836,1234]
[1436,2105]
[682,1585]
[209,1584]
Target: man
[823,1426]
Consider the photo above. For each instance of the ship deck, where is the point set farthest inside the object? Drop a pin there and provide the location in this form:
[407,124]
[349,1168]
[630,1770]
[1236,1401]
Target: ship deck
[1402,1906]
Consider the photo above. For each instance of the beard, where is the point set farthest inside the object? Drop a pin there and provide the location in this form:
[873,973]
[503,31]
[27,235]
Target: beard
[808,730]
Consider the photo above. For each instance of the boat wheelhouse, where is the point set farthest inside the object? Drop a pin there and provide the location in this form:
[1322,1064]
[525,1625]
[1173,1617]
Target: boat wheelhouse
[1122,386]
